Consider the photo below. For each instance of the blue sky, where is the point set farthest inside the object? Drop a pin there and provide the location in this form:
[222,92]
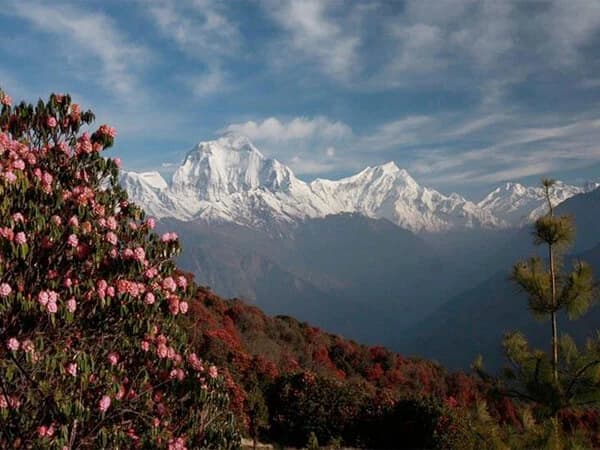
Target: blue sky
[465,94]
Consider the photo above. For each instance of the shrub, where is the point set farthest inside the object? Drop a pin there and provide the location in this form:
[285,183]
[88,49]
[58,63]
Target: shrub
[92,351]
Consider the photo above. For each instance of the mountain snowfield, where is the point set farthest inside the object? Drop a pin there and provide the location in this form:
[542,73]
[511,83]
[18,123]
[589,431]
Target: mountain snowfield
[228,179]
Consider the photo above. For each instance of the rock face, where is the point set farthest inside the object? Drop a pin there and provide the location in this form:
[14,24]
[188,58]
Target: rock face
[229,180]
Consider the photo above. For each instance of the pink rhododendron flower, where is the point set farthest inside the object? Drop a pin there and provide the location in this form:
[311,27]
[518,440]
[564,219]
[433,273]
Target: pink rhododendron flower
[111,223]
[10,177]
[72,240]
[169,284]
[52,307]
[7,100]
[151,223]
[51,122]
[20,238]
[117,162]
[139,254]
[183,307]
[43,298]
[27,346]
[149,298]
[168,237]
[74,221]
[110,291]
[104,403]
[145,345]
[13,344]
[18,217]
[177,444]
[111,238]
[162,350]
[19,164]
[182,282]
[213,372]
[56,220]
[113,358]
[72,369]
[71,305]
[5,290]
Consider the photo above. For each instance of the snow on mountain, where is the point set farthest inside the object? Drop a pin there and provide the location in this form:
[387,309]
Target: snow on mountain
[228,179]
[390,192]
[517,204]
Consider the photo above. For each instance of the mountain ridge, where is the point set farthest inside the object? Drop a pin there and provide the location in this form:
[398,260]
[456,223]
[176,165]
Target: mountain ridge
[229,180]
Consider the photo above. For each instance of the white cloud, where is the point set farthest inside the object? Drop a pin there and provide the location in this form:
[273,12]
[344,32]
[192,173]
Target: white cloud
[299,128]
[201,28]
[100,49]
[314,34]
[213,81]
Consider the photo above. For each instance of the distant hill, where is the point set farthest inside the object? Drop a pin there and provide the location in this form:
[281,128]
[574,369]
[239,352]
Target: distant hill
[474,322]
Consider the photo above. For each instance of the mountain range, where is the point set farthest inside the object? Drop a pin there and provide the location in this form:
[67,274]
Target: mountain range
[229,180]
[375,256]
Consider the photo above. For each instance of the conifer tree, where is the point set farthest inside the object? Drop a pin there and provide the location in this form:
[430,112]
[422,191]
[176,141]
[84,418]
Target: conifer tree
[566,376]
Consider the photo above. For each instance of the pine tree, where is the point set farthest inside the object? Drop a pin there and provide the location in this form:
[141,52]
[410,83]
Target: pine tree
[565,376]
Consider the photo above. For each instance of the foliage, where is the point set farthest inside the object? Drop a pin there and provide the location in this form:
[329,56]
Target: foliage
[93,352]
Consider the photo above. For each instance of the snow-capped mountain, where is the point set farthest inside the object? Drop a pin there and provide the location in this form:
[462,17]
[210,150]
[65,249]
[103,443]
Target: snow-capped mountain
[390,192]
[228,179]
[517,205]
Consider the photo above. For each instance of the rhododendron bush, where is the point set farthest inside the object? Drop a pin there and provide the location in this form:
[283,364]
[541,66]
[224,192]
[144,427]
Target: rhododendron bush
[92,352]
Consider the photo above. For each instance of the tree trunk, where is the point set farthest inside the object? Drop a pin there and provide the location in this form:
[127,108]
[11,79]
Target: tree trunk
[553,316]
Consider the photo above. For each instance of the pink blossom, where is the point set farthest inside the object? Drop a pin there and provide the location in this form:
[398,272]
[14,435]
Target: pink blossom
[102,285]
[71,305]
[104,403]
[168,237]
[52,296]
[140,254]
[27,346]
[127,253]
[151,223]
[74,221]
[52,307]
[149,298]
[3,402]
[151,273]
[182,282]
[72,240]
[113,358]
[5,290]
[13,344]
[111,223]
[177,444]
[212,372]
[169,284]
[183,307]
[43,298]
[6,100]
[107,131]
[51,122]
[72,369]
[110,291]
[56,220]
[117,162]
[20,238]
[19,164]
[120,393]
[7,233]
[111,238]
[67,282]
[18,217]
[145,345]
[10,177]
[161,350]
[41,430]
[133,225]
